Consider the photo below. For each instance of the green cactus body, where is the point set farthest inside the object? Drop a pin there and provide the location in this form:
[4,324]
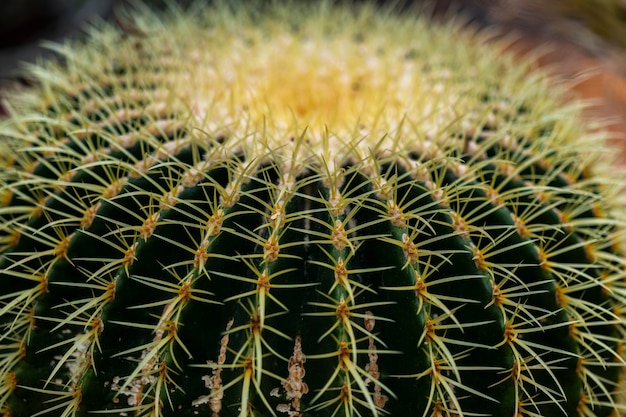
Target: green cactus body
[303,211]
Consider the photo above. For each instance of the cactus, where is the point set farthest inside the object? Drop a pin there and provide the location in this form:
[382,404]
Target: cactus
[304,210]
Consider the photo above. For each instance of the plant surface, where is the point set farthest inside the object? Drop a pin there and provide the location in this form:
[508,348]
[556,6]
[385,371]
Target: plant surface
[303,210]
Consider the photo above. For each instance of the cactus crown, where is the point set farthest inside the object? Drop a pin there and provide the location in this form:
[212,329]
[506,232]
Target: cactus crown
[303,210]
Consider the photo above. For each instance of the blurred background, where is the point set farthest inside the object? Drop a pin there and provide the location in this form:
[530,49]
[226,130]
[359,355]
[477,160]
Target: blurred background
[581,41]
[24,24]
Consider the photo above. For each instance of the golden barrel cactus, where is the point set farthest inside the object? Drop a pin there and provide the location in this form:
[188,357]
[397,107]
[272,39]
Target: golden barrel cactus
[298,209]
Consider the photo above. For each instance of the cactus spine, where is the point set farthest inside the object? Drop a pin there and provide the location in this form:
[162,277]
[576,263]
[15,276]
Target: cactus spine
[303,210]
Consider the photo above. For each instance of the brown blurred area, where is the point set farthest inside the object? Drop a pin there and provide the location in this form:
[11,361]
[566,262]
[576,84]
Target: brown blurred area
[582,41]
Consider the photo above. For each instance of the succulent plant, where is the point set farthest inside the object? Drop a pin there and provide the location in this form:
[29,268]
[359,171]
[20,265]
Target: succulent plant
[318,209]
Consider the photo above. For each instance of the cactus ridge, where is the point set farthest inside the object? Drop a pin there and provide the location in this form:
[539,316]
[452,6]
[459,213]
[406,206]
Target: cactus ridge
[440,242]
